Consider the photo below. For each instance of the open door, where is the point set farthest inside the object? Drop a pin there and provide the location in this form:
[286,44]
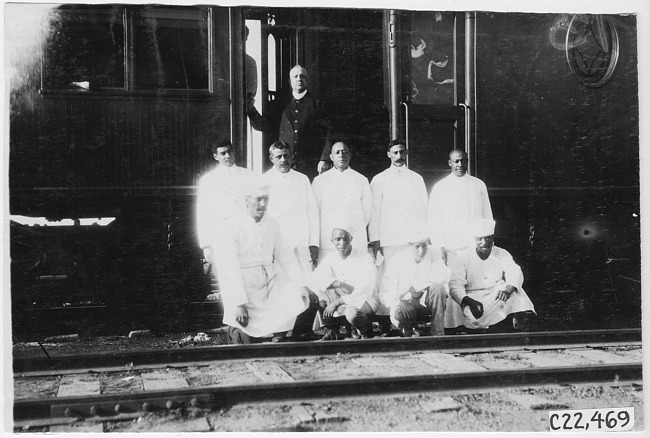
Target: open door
[342,51]
[270,54]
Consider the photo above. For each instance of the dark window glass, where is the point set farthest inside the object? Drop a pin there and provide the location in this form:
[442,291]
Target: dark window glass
[431,77]
[171,48]
[84,49]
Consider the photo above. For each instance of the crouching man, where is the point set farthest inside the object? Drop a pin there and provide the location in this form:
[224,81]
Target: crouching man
[487,283]
[259,277]
[412,287]
[344,282]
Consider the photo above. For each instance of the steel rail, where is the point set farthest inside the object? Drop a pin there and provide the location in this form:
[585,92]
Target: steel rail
[215,397]
[315,348]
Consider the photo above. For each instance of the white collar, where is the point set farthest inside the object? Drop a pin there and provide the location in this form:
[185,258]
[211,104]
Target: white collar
[281,174]
[339,172]
[397,169]
[298,96]
[226,168]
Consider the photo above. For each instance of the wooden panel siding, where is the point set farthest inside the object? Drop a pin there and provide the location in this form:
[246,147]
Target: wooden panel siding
[115,143]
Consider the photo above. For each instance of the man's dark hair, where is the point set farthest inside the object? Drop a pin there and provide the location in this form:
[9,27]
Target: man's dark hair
[395,142]
[342,139]
[220,144]
[279,144]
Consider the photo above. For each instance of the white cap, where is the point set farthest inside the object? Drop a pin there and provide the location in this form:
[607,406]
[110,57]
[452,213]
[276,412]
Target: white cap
[344,223]
[418,232]
[483,227]
[256,187]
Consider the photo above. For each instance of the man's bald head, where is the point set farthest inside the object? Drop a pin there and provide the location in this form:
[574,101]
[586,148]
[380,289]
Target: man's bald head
[458,162]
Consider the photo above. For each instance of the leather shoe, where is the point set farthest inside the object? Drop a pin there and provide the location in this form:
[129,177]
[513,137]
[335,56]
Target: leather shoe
[330,335]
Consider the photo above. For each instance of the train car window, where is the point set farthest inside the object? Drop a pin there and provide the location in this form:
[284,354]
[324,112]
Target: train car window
[85,49]
[431,79]
[171,48]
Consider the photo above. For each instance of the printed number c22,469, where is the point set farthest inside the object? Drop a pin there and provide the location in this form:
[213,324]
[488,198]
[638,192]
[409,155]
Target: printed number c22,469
[606,419]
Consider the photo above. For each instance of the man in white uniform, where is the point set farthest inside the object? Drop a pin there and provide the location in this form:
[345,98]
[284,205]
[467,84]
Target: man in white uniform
[487,283]
[454,203]
[344,283]
[342,195]
[413,288]
[399,201]
[220,196]
[293,206]
[257,274]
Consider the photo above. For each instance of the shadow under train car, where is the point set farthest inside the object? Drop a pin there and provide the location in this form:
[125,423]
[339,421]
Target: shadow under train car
[107,280]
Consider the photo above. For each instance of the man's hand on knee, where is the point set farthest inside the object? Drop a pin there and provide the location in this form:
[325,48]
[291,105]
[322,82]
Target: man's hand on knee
[476,307]
[328,313]
[241,315]
[503,295]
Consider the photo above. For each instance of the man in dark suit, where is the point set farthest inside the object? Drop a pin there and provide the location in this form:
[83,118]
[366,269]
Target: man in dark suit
[305,128]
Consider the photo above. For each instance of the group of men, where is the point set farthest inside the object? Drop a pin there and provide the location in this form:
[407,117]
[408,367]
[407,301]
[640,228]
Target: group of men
[292,255]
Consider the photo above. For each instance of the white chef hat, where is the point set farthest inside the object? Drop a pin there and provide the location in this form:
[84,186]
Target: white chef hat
[256,187]
[483,227]
[417,232]
[344,223]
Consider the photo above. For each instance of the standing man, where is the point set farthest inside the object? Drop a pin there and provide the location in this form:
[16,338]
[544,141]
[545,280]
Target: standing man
[220,196]
[342,195]
[304,127]
[454,203]
[293,205]
[399,201]
[258,272]
[487,283]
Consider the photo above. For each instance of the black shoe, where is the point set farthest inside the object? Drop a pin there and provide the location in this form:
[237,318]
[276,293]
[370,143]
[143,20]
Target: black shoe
[302,337]
[331,335]
[384,330]
[521,321]
[354,334]
[407,332]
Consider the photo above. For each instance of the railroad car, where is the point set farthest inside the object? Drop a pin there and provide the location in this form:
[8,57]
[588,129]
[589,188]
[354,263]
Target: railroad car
[113,109]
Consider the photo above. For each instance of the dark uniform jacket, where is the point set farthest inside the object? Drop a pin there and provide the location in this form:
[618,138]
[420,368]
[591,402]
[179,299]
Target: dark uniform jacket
[305,127]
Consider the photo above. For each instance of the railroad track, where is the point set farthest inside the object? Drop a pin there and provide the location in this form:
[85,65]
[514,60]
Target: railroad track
[458,343]
[113,387]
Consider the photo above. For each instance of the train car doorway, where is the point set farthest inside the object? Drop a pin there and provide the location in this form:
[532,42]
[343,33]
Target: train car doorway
[269,55]
[342,50]
[430,97]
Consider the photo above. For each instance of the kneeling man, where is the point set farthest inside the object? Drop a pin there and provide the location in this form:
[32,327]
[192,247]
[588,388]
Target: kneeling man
[260,277]
[412,287]
[344,282]
[487,283]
